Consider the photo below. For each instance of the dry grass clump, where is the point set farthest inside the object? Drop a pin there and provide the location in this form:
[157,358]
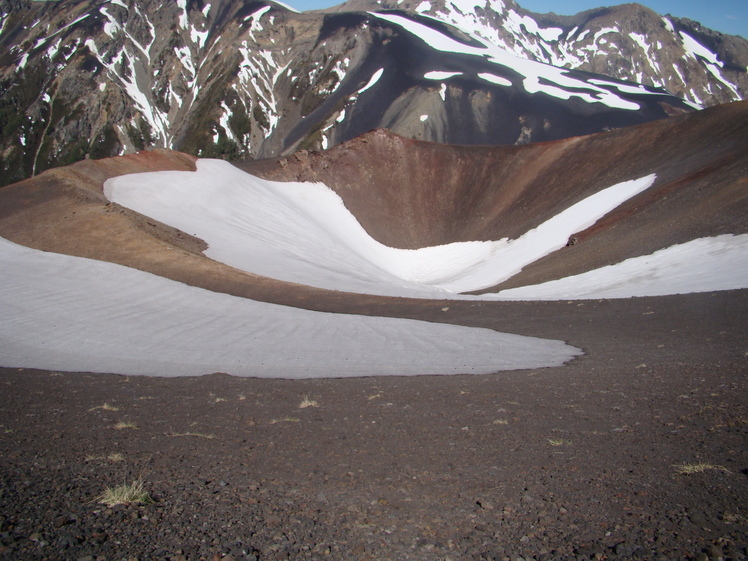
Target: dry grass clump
[307,401]
[196,434]
[284,420]
[125,425]
[113,457]
[125,494]
[105,407]
[701,467]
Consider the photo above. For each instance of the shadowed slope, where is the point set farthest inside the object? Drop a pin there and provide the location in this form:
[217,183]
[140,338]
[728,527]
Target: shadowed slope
[412,194]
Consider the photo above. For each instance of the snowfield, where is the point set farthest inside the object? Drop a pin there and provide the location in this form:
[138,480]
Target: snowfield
[70,313]
[303,233]
[719,263]
[75,314]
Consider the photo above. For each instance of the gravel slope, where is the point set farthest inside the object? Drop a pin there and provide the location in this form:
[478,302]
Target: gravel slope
[577,462]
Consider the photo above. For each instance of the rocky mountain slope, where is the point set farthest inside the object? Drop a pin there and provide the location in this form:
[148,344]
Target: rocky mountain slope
[629,42]
[253,79]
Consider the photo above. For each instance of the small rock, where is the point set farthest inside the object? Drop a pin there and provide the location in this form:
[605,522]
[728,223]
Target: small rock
[67,541]
[589,550]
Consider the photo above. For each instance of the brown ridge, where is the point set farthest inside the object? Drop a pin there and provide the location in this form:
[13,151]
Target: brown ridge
[411,194]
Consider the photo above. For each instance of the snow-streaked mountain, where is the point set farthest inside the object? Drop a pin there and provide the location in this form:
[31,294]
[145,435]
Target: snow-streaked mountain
[629,42]
[244,79]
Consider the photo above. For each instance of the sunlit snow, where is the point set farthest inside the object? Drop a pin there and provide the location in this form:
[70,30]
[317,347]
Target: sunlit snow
[440,75]
[719,263]
[538,77]
[373,80]
[494,79]
[75,314]
[303,233]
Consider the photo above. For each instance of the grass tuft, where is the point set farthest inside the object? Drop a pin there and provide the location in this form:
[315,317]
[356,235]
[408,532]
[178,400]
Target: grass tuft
[196,434]
[307,401]
[125,494]
[558,442]
[688,469]
[113,457]
[284,420]
[105,407]
[125,425]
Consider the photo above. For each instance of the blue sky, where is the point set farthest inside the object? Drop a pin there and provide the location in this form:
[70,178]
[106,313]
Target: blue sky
[727,16]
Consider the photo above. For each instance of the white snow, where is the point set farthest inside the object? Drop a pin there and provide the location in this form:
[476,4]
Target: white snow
[626,88]
[118,3]
[443,92]
[424,6]
[440,75]
[494,79]
[303,233]
[424,118]
[256,16]
[640,40]
[22,63]
[157,120]
[183,19]
[199,37]
[373,80]
[719,263]
[286,6]
[537,75]
[694,48]
[75,314]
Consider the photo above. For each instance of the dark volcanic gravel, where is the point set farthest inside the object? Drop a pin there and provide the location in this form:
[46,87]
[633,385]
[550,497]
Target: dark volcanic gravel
[578,462]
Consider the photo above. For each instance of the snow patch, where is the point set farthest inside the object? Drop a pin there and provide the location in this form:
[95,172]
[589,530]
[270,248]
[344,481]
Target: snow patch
[303,233]
[722,265]
[538,77]
[184,21]
[286,6]
[373,80]
[439,75]
[494,79]
[693,49]
[74,314]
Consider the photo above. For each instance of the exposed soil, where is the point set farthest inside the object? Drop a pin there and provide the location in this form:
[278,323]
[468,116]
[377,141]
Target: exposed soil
[577,462]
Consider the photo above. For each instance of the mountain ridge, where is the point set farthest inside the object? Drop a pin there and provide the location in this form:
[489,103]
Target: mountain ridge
[253,79]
